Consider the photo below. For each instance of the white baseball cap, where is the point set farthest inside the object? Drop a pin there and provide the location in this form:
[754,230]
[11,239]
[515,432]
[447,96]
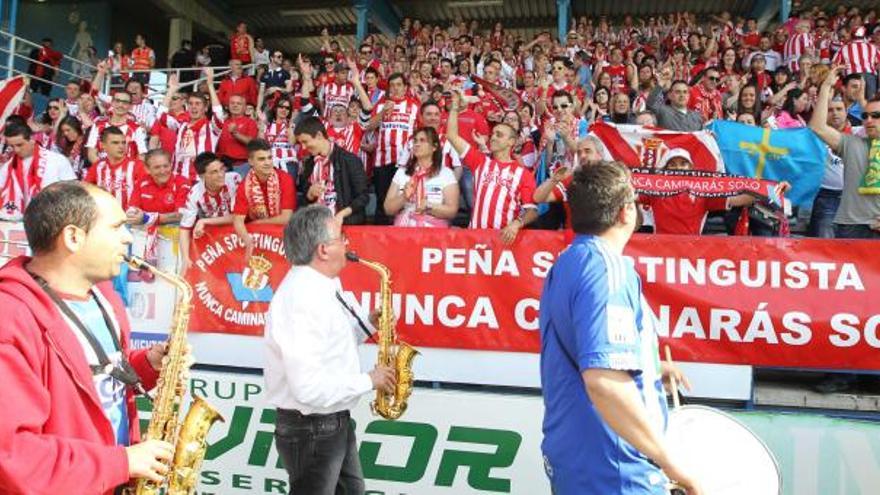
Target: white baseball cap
[676,153]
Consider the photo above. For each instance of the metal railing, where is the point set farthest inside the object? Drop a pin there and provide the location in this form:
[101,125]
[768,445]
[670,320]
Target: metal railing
[10,43]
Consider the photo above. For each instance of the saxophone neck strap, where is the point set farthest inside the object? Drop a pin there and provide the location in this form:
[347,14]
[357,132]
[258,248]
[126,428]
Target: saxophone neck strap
[122,371]
[351,310]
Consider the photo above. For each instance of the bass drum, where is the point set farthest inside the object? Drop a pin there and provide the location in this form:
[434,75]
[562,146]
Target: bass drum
[722,453]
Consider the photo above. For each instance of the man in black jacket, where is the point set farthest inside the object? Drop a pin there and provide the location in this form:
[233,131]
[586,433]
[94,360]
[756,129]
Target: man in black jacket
[332,176]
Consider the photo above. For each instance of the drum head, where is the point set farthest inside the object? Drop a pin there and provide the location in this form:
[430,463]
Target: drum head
[724,455]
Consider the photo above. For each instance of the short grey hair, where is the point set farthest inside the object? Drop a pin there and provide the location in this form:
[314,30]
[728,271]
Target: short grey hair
[306,230]
[153,153]
[597,143]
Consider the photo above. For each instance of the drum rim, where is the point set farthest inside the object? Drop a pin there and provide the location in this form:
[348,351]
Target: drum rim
[741,424]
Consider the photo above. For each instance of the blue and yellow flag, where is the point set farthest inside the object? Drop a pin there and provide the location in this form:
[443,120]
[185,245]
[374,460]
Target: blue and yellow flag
[794,155]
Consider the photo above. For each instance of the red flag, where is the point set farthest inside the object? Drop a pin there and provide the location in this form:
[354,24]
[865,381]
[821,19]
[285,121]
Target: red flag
[639,146]
[11,94]
[507,98]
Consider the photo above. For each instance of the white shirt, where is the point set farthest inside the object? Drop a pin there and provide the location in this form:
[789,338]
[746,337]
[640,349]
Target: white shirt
[311,340]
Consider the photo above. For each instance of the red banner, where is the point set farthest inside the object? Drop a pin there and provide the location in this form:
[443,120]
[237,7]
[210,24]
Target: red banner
[770,302]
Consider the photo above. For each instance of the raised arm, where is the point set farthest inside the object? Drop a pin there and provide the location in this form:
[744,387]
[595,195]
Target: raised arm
[819,121]
[457,142]
[209,79]
[363,97]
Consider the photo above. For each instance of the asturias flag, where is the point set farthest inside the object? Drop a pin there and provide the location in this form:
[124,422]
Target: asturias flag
[794,155]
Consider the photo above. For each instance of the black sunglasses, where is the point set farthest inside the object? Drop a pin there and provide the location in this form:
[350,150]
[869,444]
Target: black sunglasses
[286,107]
[714,79]
[872,115]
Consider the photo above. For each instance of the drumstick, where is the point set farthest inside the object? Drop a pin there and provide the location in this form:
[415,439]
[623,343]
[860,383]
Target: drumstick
[676,402]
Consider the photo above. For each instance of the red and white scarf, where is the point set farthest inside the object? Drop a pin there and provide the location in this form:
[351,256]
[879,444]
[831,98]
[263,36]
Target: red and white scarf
[21,185]
[323,174]
[260,206]
[419,194]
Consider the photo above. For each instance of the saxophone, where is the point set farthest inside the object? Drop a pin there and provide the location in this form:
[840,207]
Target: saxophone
[392,352]
[190,437]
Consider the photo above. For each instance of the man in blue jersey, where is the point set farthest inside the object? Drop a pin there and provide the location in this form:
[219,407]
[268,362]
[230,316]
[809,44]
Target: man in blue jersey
[605,409]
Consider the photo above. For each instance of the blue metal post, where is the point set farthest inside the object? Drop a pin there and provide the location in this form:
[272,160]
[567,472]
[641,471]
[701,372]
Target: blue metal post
[13,15]
[563,15]
[383,16]
[362,10]
[784,10]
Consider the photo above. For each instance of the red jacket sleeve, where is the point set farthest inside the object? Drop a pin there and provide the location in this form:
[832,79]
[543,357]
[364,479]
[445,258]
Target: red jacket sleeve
[182,193]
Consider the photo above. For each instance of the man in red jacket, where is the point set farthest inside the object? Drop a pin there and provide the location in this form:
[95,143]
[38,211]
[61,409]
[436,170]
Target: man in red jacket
[70,425]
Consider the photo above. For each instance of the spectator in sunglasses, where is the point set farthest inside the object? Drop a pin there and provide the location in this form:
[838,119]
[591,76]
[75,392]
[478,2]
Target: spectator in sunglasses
[705,97]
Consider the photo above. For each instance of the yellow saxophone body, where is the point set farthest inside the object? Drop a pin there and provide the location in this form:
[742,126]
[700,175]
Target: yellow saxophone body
[392,352]
[190,437]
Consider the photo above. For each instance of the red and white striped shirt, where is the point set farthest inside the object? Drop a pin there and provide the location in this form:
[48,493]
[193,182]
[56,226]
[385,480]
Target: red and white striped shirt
[202,204]
[334,94]
[144,113]
[501,190]
[193,138]
[395,129]
[348,137]
[135,137]
[283,150]
[795,46]
[858,57]
[118,179]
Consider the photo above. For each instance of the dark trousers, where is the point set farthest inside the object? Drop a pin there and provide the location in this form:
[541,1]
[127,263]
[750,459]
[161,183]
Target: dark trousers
[845,231]
[822,216]
[382,177]
[319,453]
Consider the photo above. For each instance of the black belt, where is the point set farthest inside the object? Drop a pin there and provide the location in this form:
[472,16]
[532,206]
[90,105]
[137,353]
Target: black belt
[293,413]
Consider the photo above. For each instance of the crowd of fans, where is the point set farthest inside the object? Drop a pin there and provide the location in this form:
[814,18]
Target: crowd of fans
[458,125]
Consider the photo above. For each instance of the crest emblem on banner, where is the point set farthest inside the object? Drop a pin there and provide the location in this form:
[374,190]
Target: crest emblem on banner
[650,151]
[252,284]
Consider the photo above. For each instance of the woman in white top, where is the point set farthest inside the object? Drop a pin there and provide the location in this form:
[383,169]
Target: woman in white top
[426,192]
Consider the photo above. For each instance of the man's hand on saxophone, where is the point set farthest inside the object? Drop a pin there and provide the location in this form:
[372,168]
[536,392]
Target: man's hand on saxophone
[149,459]
[384,378]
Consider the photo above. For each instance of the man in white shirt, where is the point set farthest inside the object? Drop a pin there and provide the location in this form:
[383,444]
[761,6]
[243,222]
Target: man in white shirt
[313,375]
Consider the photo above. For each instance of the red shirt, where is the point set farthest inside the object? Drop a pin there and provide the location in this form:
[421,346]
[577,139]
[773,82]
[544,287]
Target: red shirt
[230,147]
[682,214]
[240,48]
[245,86]
[167,198]
[288,195]
[167,136]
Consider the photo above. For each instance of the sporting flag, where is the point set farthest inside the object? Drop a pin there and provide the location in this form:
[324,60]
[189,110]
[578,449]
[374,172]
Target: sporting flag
[793,155]
[639,146]
[11,93]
